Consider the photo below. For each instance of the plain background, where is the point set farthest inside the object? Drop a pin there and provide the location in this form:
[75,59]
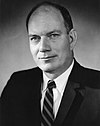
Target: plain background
[14,46]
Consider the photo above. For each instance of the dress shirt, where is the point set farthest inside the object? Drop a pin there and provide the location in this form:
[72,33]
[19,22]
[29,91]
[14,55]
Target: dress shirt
[61,82]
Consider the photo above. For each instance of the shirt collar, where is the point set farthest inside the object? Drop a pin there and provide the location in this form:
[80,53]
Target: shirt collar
[60,80]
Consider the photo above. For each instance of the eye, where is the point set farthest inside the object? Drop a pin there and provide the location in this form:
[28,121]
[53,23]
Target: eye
[35,38]
[53,35]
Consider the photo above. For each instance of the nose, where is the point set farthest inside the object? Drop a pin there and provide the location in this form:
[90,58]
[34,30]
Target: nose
[44,44]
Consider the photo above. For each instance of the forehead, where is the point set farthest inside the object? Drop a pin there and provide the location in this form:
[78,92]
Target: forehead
[46,18]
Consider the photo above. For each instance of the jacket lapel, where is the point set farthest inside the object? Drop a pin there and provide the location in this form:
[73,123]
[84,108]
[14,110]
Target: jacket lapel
[70,104]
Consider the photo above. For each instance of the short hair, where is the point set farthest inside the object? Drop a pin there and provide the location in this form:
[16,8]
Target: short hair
[64,12]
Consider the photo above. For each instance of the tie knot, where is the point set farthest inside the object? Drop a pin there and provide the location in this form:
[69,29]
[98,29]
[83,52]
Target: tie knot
[51,84]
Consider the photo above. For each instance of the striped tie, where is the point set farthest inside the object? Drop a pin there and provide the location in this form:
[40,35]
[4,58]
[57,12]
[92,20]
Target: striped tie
[47,112]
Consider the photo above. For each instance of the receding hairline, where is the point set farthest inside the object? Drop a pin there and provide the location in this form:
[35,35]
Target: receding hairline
[45,9]
[60,10]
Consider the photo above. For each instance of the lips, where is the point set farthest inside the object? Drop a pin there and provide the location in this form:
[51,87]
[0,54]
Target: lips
[47,57]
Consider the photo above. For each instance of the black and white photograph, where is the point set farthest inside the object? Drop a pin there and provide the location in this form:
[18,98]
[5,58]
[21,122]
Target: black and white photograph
[49,63]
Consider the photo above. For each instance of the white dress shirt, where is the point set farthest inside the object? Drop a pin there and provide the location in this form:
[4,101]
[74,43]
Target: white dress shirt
[61,82]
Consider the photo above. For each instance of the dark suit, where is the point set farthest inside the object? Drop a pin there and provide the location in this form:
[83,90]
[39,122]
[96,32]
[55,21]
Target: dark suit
[80,105]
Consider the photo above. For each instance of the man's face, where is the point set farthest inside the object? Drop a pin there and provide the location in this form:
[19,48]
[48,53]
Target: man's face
[49,42]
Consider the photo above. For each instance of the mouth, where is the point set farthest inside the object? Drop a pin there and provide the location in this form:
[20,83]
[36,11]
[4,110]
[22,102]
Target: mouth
[47,57]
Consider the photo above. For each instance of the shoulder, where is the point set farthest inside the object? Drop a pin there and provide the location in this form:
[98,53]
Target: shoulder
[25,76]
[22,81]
[91,77]
[85,76]
[26,73]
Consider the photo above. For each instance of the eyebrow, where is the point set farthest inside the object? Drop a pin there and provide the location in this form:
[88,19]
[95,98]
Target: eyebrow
[58,31]
[31,35]
[48,33]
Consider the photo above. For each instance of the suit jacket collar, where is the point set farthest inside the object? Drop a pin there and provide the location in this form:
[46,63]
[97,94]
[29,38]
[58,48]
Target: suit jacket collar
[77,74]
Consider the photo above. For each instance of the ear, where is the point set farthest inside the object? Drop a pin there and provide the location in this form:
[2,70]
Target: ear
[72,38]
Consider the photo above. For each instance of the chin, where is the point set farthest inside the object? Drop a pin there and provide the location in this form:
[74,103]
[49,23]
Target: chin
[46,68]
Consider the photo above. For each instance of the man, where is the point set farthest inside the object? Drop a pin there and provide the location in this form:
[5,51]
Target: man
[75,98]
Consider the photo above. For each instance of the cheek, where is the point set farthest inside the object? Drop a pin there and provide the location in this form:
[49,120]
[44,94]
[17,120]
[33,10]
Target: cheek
[33,50]
[63,48]
[64,54]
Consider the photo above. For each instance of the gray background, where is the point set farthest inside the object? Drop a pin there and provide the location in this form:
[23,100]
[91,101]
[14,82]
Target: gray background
[14,47]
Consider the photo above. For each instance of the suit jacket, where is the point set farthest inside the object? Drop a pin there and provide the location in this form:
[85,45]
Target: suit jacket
[80,105]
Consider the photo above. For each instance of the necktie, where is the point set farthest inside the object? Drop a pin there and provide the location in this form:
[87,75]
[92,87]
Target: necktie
[47,117]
